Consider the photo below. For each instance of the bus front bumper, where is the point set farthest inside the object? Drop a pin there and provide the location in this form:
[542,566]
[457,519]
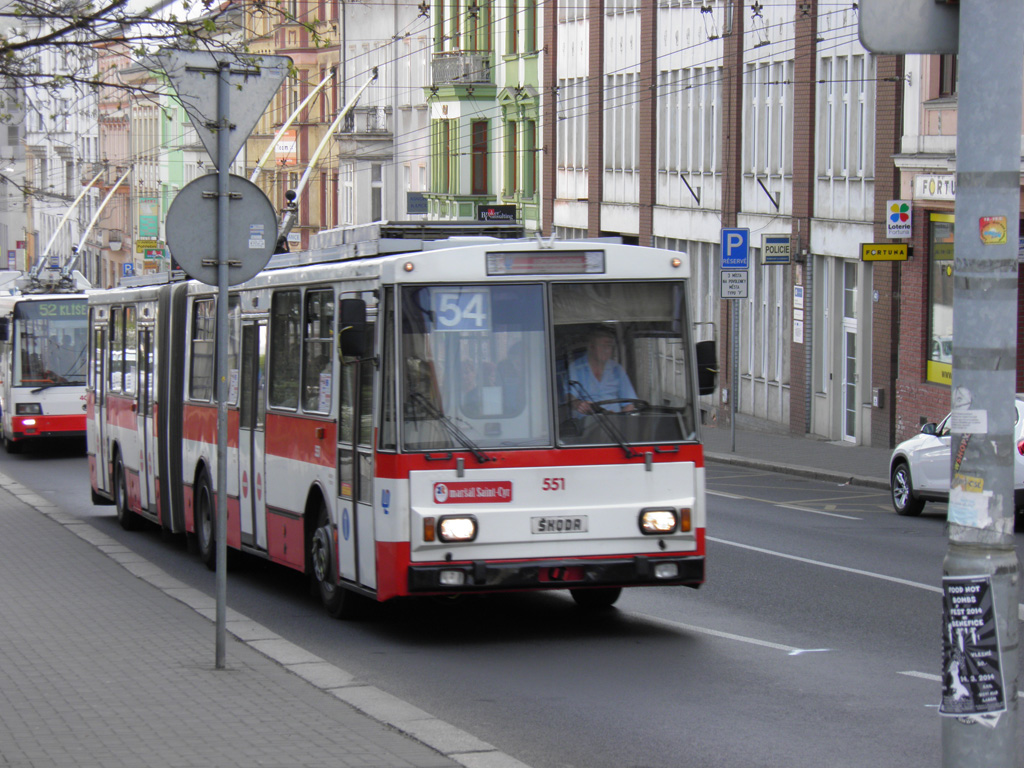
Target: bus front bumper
[490,576]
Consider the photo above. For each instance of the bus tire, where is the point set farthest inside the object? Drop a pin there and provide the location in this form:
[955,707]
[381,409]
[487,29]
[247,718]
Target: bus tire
[206,537]
[339,602]
[11,446]
[125,516]
[599,598]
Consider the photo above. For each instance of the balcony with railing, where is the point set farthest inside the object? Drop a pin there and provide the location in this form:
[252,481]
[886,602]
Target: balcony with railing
[457,68]
[367,120]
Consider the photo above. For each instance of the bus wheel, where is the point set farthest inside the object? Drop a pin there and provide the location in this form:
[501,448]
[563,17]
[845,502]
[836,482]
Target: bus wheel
[204,519]
[339,602]
[125,516]
[596,599]
[11,446]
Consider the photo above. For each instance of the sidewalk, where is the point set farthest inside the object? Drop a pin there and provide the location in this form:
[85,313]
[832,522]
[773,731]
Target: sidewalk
[107,661]
[807,456]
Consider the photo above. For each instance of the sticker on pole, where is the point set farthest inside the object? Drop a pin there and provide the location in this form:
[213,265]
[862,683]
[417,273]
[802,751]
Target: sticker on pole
[972,669]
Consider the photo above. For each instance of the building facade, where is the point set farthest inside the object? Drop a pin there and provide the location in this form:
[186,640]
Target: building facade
[665,121]
[484,101]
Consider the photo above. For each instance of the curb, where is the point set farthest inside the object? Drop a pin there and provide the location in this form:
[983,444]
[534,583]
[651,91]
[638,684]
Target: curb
[454,743]
[812,473]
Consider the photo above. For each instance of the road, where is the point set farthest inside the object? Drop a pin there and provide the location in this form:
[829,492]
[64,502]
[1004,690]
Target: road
[814,642]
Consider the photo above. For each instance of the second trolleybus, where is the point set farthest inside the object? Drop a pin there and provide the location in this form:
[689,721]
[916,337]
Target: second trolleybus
[435,422]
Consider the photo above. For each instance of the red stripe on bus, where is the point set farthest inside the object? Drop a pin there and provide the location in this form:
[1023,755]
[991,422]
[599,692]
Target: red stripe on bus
[120,413]
[393,559]
[298,438]
[47,424]
[200,424]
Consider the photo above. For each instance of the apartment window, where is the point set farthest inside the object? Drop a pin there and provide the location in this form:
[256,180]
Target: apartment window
[376,192]
[530,158]
[512,20]
[511,158]
[948,75]
[479,153]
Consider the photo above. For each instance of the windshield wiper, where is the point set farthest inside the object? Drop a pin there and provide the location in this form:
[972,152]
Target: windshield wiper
[450,426]
[605,421]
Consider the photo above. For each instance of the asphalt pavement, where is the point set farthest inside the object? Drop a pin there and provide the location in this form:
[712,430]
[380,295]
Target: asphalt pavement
[106,660]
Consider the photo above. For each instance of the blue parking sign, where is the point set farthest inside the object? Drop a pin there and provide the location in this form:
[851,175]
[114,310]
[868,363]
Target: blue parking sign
[735,249]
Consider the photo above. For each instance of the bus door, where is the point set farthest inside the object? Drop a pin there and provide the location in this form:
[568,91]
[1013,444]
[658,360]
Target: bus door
[99,391]
[251,435]
[144,419]
[357,549]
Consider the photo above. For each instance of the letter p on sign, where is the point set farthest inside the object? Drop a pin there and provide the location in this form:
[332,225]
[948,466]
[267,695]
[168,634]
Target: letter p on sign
[735,249]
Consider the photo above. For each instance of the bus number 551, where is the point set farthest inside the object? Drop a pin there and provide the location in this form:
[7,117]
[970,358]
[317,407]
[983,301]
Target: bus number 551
[553,484]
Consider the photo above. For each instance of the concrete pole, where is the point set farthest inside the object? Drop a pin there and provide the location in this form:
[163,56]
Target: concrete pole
[981,509]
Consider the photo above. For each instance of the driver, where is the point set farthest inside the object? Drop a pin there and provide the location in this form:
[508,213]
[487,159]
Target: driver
[594,377]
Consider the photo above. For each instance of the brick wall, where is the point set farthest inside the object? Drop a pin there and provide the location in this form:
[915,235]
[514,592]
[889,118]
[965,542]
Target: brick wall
[548,111]
[885,325]
[804,92]
[595,119]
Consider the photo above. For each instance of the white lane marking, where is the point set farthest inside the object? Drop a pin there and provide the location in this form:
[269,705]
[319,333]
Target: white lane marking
[784,506]
[810,650]
[833,566]
[817,511]
[857,571]
[718,633]
[727,495]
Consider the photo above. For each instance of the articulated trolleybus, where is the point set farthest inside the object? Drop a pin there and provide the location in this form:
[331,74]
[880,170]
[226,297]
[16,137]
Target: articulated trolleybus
[478,415]
[42,361]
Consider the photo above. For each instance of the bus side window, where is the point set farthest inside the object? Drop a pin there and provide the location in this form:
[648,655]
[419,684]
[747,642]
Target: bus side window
[389,416]
[116,366]
[285,349]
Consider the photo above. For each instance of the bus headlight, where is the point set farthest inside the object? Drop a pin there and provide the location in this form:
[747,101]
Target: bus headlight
[657,522]
[462,528]
[28,409]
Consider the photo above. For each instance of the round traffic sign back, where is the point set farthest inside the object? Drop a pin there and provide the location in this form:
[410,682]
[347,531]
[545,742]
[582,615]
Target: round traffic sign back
[192,229]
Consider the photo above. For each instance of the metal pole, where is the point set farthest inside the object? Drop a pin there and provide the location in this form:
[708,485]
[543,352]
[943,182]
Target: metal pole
[981,584]
[734,321]
[223,191]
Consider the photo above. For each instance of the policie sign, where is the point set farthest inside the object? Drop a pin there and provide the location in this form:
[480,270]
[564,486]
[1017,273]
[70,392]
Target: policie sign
[972,670]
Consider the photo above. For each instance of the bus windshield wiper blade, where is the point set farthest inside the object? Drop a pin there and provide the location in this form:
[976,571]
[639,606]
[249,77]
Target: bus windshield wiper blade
[44,386]
[605,421]
[449,425]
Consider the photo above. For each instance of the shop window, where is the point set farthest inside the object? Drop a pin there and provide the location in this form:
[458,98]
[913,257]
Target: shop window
[940,299]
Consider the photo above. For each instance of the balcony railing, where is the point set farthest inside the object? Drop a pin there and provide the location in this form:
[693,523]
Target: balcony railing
[366,120]
[461,68]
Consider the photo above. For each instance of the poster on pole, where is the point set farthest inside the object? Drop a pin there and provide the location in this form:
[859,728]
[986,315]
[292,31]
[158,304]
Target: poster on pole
[972,669]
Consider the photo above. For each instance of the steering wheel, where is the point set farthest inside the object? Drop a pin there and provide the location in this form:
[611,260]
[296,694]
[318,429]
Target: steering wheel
[638,405]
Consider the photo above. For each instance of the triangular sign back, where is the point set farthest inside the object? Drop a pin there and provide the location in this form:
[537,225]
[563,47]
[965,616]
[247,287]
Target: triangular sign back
[252,82]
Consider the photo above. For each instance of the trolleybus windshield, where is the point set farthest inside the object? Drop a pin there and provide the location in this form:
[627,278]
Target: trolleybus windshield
[50,342]
[480,372]
[621,363]
[475,367]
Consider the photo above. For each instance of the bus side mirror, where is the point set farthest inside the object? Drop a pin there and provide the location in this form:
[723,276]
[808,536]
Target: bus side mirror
[352,337]
[707,367]
[3,329]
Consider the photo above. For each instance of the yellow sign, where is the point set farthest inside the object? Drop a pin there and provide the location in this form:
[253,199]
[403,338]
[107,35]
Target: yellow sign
[940,373]
[884,251]
[141,246]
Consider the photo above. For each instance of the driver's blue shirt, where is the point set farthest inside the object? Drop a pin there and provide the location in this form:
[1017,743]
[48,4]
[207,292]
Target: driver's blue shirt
[613,385]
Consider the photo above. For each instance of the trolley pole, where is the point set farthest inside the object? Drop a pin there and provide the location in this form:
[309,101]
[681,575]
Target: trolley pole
[981,571]
[223,198]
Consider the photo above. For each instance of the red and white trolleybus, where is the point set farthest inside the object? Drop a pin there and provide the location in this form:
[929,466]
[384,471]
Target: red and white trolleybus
[467,417]
[42,366]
